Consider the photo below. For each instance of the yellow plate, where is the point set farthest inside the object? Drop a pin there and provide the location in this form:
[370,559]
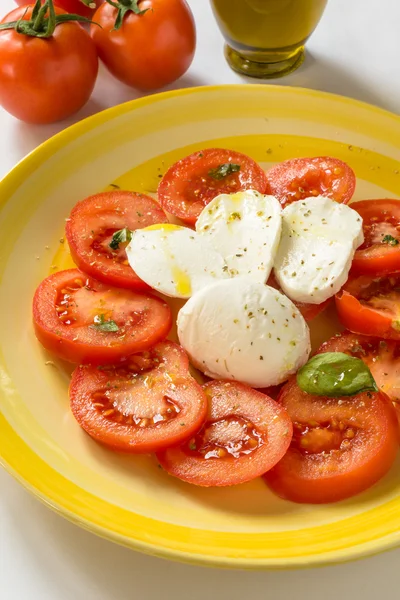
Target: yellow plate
[128,499]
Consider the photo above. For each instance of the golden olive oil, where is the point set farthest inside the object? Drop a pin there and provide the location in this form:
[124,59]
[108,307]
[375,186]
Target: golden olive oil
[267,31]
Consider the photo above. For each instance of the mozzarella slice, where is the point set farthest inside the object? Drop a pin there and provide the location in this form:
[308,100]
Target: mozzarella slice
[319,238]
[174,260]
[243,330]
[245,228]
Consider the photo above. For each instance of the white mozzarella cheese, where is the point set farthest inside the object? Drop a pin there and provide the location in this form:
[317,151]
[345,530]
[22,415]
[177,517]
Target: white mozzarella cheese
[243,330]
[319,238]
[174,260]
[245,228]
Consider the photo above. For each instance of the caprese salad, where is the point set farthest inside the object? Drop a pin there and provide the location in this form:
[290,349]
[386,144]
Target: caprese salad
[253,256]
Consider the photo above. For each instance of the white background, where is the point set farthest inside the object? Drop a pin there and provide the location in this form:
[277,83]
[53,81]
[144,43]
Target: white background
[355,51]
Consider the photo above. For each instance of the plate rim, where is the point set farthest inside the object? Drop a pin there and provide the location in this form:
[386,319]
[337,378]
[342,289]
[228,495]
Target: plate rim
[10,183]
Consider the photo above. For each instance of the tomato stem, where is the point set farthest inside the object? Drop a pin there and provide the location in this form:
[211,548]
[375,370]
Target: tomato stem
[124,6]
[42,21]
[40,24]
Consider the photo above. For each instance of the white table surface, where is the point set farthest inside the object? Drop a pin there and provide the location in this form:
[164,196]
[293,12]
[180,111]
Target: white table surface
[355,52]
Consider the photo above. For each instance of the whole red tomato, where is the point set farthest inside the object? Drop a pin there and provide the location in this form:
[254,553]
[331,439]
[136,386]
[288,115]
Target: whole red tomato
[77,7]
[43,80]
[150,49]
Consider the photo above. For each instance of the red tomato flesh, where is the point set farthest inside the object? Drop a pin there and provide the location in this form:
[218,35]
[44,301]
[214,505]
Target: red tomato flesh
[189,185]
[301,178]
[149,403]
[68,307]
[340,446]
[380,252]
[90,229]
[371,305]
[245,434]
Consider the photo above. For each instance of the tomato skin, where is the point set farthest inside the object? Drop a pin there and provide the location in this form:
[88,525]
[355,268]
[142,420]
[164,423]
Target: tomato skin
[92,389]
[300,178]
[149,50]
[71,6]
[46,80]
[187,187]
[364,308]
[91,225]
[237,405]
[148,319]
[380,218]
[328,471]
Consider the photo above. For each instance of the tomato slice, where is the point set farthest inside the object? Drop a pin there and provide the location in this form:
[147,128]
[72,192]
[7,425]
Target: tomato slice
[371,305]
[245,434]
[191,183]
[309,311]
[83,320]
[90,229]
[147,404]
[380,252]
[340,446]
[381,356]
[301,178]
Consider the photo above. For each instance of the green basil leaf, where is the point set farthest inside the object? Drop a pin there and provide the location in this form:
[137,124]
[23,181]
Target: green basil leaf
[335,374]
[389,239]
[223,170]
[120,237]
[105,326]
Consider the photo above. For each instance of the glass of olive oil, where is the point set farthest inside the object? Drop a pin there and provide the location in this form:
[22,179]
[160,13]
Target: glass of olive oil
[266,38]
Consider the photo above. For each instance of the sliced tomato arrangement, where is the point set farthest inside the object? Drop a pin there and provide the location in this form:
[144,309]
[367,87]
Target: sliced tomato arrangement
[147,404]
[340,446]
[82,320]
[380,252]
[309,311]
[245,434]
[301,178]
[133,391]
[91,227]
[371,305]
[191,183]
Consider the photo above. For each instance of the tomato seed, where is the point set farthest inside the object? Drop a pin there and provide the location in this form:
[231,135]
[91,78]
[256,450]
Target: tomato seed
[109,412]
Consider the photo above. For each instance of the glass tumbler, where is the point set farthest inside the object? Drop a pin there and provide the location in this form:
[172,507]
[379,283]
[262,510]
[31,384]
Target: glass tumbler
[266,38]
